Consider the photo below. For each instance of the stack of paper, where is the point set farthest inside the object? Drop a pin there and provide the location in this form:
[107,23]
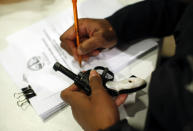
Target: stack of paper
[33,51]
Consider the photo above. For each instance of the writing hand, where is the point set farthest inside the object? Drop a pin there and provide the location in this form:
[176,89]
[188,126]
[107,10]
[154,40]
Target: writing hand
[94,35]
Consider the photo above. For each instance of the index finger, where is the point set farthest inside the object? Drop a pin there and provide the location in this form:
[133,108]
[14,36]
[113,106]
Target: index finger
[68,41]
[69,34]
[120,99]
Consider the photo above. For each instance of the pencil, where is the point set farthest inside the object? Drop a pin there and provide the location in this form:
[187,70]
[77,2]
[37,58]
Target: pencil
[74,2]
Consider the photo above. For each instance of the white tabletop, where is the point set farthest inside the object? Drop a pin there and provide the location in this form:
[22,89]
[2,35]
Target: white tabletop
[16,16]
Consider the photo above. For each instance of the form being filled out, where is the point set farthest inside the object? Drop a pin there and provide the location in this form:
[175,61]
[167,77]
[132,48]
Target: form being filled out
[32,52]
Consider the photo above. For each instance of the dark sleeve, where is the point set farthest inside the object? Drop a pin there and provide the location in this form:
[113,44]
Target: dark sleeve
[150,18]
[120,126]
[171,96]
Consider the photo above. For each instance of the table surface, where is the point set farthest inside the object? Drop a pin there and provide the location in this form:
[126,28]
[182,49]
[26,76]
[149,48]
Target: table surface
[16,16]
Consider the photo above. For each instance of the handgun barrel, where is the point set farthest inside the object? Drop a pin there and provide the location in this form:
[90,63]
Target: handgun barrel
[58,67]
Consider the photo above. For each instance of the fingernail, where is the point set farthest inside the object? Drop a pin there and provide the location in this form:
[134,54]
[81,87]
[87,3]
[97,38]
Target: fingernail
[76,57]
[95,53]
[80,51]
[93,73]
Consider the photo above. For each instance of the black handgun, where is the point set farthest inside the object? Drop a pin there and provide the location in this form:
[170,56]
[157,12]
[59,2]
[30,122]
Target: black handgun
[114,88]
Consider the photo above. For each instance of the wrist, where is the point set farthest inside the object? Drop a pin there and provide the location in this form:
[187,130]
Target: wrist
[120,125]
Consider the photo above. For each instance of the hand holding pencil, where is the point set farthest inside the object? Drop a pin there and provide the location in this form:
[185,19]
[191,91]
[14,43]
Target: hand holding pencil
[93,34]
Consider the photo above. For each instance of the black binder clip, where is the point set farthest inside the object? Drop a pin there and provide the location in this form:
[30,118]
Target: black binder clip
[24,96]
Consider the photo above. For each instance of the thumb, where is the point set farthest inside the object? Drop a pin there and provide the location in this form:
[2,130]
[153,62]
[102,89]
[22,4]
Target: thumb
[74,97]
[95,82]
[88,46]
